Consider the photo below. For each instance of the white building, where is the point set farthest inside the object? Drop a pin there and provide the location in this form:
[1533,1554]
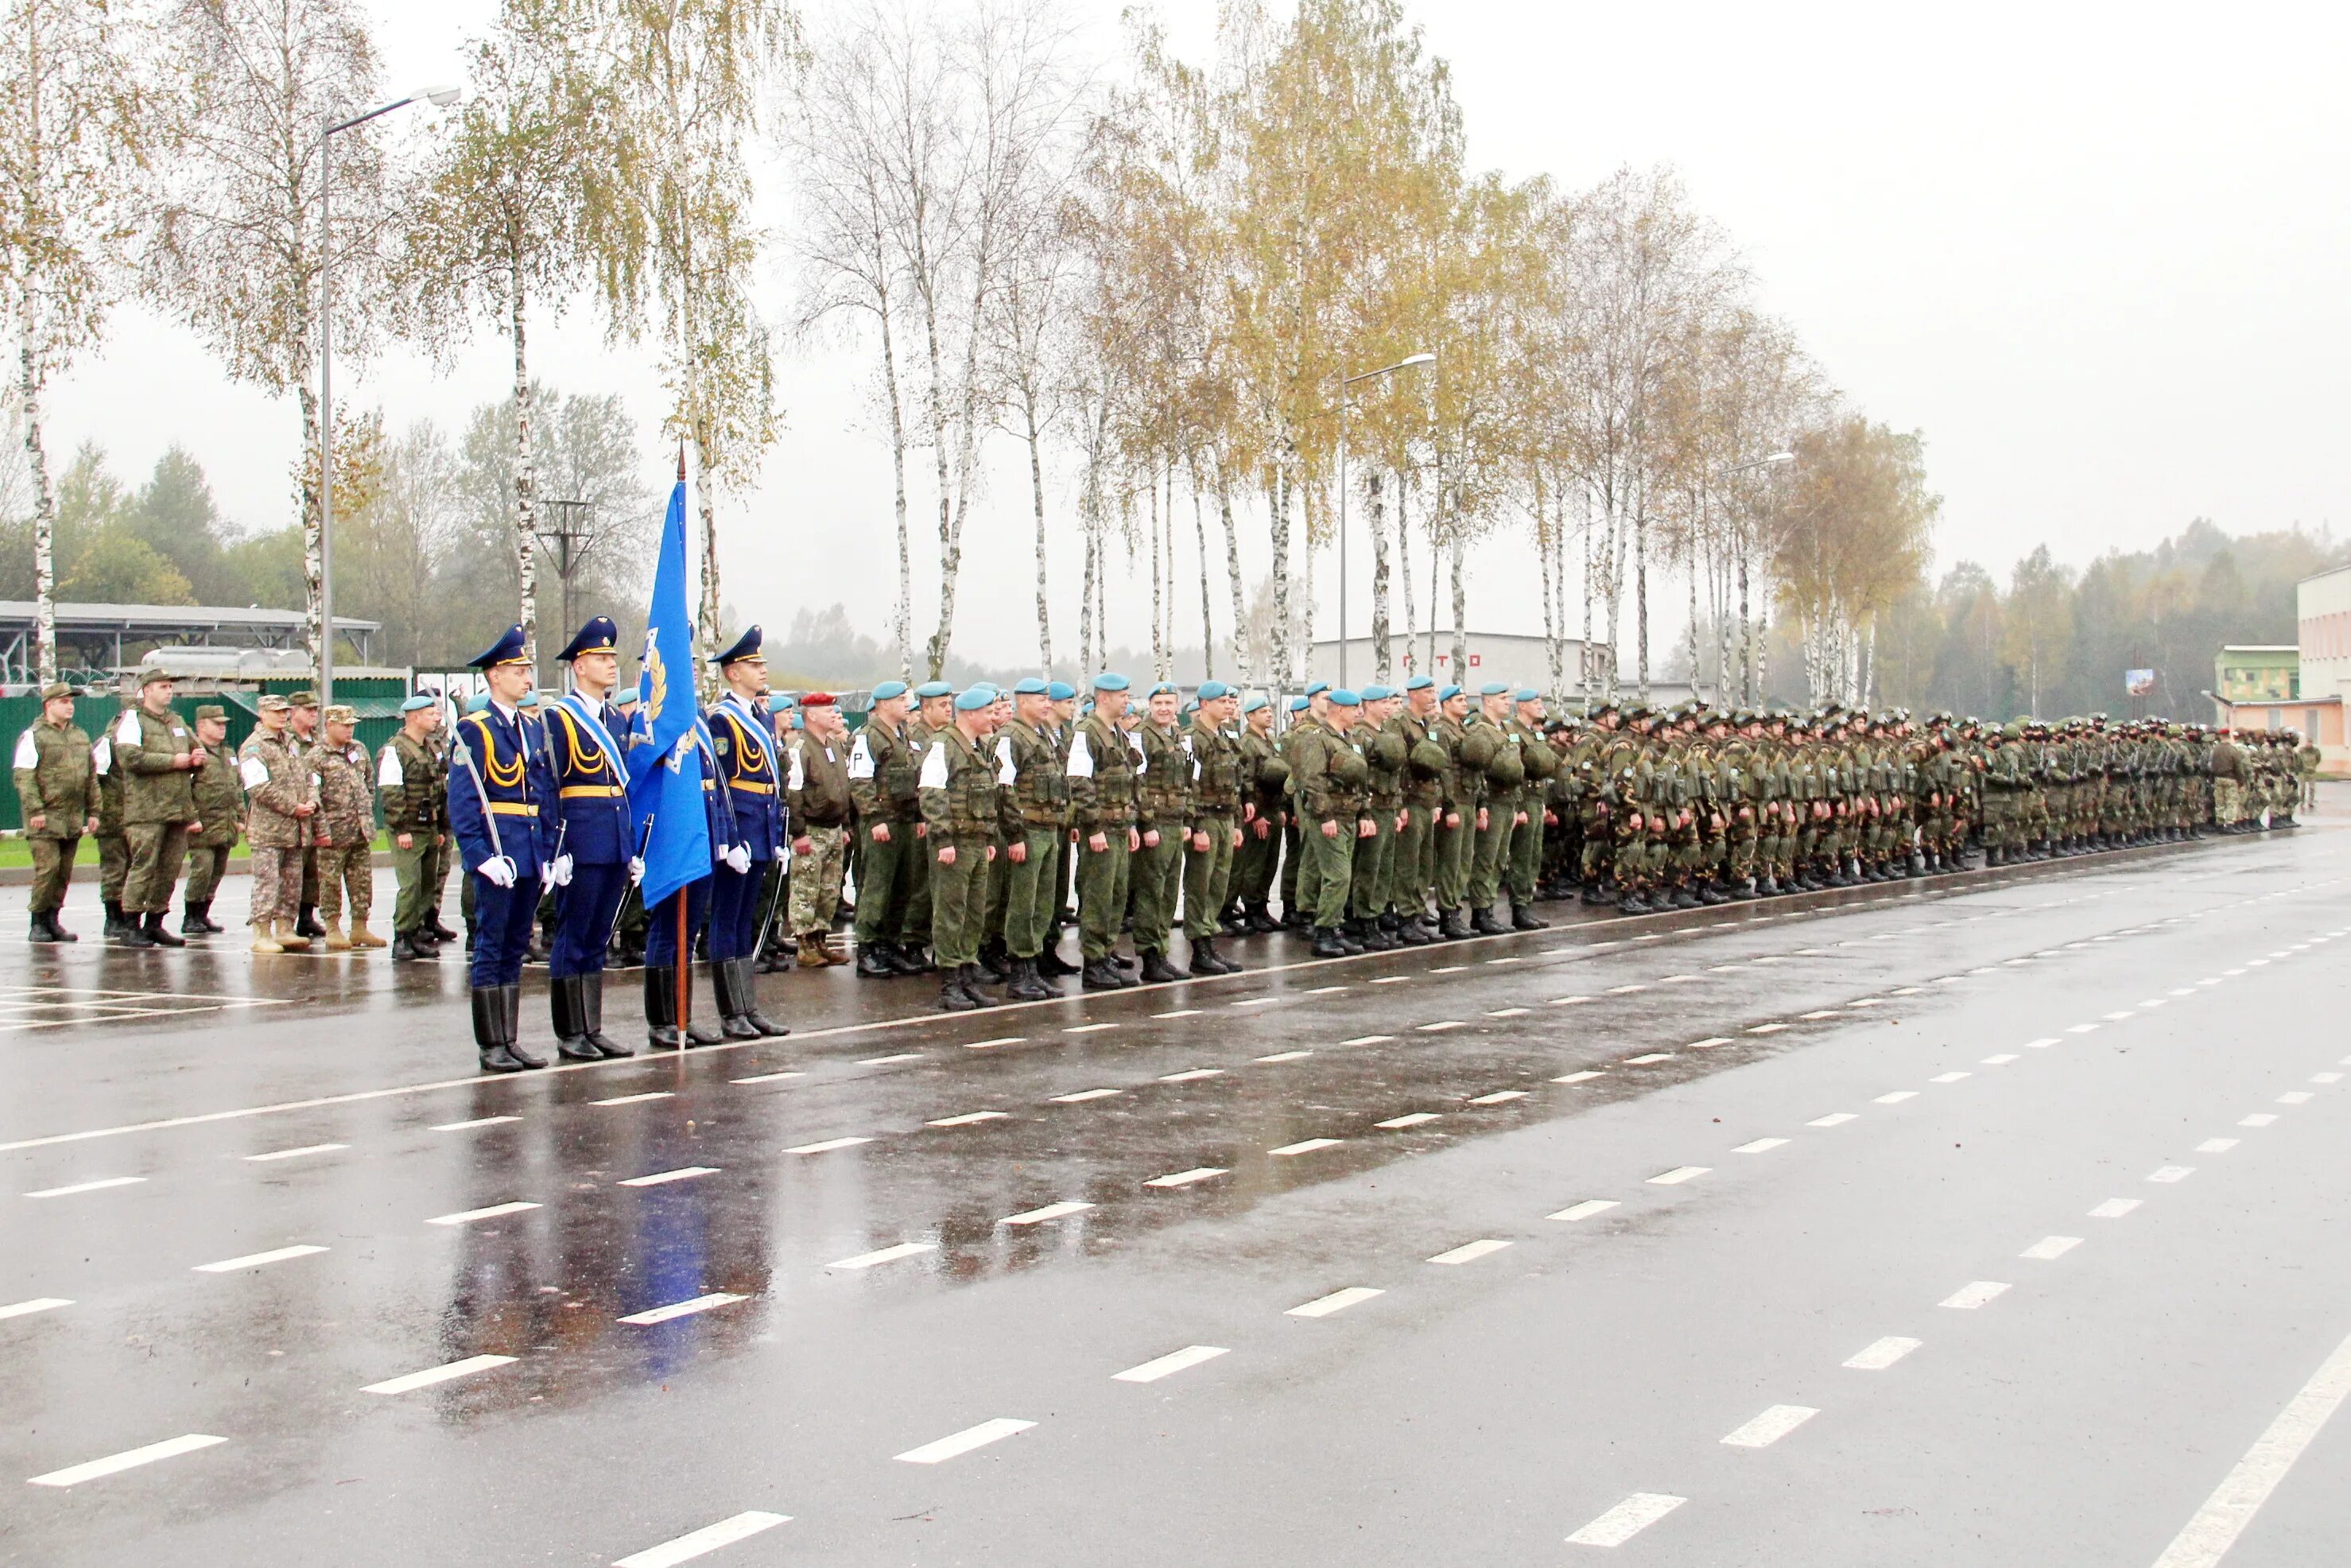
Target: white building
[2323,614]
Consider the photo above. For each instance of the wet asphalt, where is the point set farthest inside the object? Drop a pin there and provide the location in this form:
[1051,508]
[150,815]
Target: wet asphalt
[1565,1211]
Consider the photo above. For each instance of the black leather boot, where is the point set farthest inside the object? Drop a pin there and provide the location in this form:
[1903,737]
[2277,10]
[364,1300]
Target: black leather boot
[1101,974]
[1373,938]
[748,988]
[661,1008]
[1482,921]
[1262,920]
[117,927]
[972,976]
[510,1002]
[490,1010]
[1051,966]
[1413,934]
[1523,919]
[873,962]
[307,923]
[726,990]
[567,1008]
[1326,944]
[954,999]
[1158,971]
[1205,960]
[592,995]
[157,936]
[1450,927]
[696,1031]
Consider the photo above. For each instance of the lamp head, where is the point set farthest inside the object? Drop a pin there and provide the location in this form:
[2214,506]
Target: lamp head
[1411,360]
[442,97]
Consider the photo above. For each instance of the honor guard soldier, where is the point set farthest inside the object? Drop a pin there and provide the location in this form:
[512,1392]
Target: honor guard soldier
[58,789]
[220,809]
[158,755]
[412,779]
[592,846]
[498,804]
[278,806]
[743,738]
[666,947]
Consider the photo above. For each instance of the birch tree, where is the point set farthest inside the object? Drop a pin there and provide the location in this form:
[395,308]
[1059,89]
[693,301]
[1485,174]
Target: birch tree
[74,147]
[690,78]
[520,207]
[239,247]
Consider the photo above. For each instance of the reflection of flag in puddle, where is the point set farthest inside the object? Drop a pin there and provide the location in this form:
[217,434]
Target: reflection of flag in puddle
[672,1255]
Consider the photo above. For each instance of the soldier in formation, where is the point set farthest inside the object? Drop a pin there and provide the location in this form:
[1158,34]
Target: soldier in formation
[280,799]
[343,841]
[56,789]
[219,801]
[412,784]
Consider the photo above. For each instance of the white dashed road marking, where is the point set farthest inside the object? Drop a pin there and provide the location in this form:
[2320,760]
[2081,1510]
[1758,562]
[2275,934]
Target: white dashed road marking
[1626,1520]
[2216,1145]
[410,1382]
[2050,1246]
[1759,1146]
[827,1146]
[1834,1119]
[2240,1495]
[1336,1301]
[1968,1297]
[37,1304]
[256,1259]
[2113,1208]
[1770,1426]
[635,1099]
[297,1153]
[496,1211]
[129,1459]
[476,1121]
[2172,1173]
[1498,1096]
[709,1538]
[1469,1252]
[1409,1119]
[1678,1175]
[1947,1077]
[1185,1178]
[1304,1146]
[1083,1095]
[1051,1212]
[885,1255]
[1585,1076]
[684,1308]
[662,1178]
[1166,1366]
[966,1118]
[1895,1097]
[1879,1354]
[964,1442]
[2258,1119]
[105,1182]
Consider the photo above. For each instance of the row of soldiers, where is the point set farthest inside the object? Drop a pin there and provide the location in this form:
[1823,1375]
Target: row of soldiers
[164,796]
[1398,816]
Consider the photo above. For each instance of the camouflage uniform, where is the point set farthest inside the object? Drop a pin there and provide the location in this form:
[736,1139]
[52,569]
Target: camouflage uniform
[815,792]
[276,782]
[412,777]
[157,805]
[345,834]
[55,783]
[962,807]
[220,807]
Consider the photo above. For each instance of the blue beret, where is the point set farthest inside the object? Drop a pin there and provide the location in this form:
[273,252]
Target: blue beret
[1449,694]
[1419,683]
[1211,690]
[930,689]
[1316,688]
[975,698]
[746,646]
[1376,693]
[1255,701]
[1495,689]
[1060,691]
[598,636]
[1110,681]
[1297,705]
[1528,694]
[418,701]
[1341,697]
[1164,689]
[889,689]
[477,702]
[529,699]
[777,703]
[1031,687]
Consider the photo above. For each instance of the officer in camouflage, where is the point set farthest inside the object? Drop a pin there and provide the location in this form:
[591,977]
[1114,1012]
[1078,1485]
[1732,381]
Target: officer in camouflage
[279,804]
[158,755]
[1163,799]
[1102,774]
[966,811]
[1216,830]
[344,830]
[412,781]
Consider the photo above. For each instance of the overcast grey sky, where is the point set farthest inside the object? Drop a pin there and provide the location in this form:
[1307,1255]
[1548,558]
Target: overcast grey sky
[2097,254]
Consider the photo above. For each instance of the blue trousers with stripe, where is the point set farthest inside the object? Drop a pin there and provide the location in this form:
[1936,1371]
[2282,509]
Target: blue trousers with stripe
[734,910]
[661,922]
[585,909]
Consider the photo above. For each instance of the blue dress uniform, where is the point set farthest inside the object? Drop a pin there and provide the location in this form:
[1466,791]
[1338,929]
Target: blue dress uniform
[752,784]
[592,850]
[660,920]
[500,795]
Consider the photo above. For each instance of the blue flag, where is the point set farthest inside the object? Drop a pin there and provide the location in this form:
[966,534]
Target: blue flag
[664,762]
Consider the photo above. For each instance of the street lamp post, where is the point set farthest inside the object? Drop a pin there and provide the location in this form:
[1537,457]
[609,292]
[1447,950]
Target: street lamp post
[440,97]
[1408,362]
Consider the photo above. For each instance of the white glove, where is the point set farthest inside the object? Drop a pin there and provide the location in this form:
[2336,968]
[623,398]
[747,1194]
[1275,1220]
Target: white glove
[546,876]
[784,854]
[561,871]
[739,859]
[636,871]
[498,871]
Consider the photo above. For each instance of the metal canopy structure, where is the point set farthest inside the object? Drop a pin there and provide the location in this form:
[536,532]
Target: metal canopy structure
[110,636]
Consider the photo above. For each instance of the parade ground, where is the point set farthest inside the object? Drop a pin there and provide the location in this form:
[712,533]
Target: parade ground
[1993,1220]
